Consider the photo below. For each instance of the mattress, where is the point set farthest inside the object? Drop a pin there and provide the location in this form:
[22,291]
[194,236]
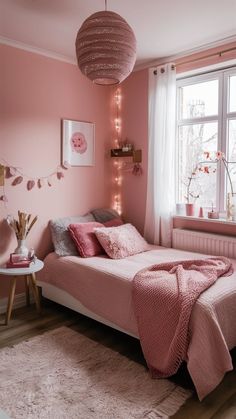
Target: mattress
[104,286]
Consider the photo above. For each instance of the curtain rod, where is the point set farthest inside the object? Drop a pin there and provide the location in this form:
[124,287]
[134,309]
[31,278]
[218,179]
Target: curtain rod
[220,53]
[163,70]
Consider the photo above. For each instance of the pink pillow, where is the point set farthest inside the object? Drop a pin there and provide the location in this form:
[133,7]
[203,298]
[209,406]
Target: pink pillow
[114,222]
[86,242]
[120,242]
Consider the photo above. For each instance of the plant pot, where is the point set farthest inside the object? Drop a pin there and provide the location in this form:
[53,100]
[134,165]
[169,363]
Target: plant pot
[189,208]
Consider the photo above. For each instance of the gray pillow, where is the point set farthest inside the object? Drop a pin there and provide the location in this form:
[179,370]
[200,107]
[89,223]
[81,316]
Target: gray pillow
[102,215]
[62,241]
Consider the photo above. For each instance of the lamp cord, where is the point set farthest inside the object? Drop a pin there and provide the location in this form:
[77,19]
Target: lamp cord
[106,5]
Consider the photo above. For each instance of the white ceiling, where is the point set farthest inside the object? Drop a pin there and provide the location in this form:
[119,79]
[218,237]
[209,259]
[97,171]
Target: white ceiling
[162,27]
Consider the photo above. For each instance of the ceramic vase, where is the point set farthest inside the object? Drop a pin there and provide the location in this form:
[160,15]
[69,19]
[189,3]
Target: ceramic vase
[189,210]
[200,214]
[231,206]
[21,248]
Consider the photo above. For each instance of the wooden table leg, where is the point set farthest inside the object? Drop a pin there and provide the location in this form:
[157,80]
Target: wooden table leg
[35,291]
[10,299]
[27,293]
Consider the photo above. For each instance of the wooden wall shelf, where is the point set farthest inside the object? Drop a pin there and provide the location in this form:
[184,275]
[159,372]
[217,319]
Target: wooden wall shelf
[117,152]
[136,154]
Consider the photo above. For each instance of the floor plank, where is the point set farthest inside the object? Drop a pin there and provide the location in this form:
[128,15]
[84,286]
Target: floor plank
[26,323]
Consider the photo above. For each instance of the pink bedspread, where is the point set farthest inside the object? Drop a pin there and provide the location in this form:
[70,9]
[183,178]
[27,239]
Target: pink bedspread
[164,296]
[104,286]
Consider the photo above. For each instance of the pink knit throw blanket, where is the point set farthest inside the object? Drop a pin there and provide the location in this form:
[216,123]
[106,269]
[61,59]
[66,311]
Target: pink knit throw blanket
[163,297]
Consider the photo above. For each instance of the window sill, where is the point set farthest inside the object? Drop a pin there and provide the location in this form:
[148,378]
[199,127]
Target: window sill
[204,219]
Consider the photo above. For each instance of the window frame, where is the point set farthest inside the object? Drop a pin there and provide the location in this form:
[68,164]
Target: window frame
[222,119]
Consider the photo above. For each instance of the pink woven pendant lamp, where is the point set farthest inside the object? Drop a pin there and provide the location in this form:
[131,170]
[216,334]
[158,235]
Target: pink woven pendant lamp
[106,48]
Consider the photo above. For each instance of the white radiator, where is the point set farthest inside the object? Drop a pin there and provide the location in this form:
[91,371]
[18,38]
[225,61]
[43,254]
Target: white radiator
[208,243]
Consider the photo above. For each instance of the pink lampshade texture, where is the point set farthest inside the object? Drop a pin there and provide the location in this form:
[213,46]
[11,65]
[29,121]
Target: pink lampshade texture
[106,48]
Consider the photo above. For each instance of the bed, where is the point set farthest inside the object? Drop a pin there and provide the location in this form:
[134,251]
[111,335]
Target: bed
[101,288]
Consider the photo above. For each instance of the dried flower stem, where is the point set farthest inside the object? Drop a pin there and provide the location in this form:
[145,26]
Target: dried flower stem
[188,192]
[22,226]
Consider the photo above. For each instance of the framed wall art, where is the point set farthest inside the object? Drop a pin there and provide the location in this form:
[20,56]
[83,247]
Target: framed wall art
[77,143]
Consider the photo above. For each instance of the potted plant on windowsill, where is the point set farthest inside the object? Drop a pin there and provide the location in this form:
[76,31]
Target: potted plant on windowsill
[192,190]
[190,194]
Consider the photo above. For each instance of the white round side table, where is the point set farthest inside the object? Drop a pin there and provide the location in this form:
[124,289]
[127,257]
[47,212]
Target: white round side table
[30,280]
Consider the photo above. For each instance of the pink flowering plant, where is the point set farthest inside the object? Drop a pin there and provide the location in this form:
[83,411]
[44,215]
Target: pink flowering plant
[191,193]
[217,157]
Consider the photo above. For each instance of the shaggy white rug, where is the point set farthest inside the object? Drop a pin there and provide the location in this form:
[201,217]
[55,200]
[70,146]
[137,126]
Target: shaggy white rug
[65,375]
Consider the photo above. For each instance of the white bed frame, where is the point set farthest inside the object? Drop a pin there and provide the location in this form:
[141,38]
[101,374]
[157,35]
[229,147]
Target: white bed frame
[62,297]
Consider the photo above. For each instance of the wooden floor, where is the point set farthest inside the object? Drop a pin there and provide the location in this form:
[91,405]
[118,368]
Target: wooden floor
[25,323]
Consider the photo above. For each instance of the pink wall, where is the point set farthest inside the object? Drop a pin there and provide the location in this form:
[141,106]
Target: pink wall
[135,127]
[134,115]
[36,93]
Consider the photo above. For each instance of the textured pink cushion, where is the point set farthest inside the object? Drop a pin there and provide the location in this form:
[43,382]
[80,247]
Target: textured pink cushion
[86,242]
[120,242]
[115,222]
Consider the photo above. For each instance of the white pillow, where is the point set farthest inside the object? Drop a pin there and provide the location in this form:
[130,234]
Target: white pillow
[62,241]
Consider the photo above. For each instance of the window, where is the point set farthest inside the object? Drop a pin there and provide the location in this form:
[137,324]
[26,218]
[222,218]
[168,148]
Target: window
[206,122]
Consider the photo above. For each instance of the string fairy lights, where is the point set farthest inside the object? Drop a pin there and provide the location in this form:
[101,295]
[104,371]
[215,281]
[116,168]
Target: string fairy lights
[117,166]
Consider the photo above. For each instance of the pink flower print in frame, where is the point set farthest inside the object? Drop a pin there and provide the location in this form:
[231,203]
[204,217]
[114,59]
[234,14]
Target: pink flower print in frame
[77,143]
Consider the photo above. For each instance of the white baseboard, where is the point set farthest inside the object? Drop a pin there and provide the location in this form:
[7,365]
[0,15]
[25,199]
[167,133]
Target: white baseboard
[19,301]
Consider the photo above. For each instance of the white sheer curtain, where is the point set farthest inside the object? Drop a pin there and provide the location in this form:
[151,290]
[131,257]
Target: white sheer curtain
[161,155]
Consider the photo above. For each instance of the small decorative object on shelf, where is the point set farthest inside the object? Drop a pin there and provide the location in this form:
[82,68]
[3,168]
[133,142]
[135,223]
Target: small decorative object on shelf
[231,206]
[200,214]
[214,215]
[137,169]
[125,148]
[180,208]
[137,156]
[21,227]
